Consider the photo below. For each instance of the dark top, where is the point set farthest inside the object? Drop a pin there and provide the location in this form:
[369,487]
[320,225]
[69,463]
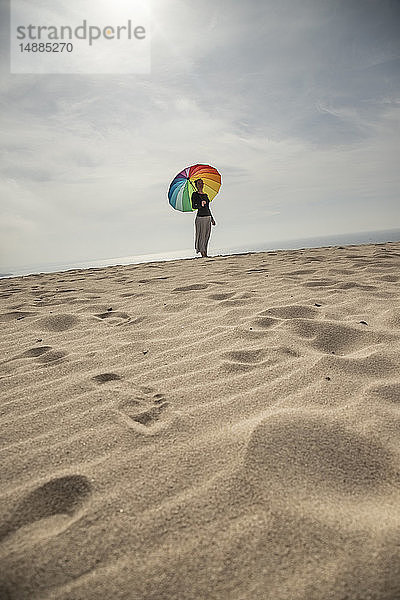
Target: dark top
[202,211]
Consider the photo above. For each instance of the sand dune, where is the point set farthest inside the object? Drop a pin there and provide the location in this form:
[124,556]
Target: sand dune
[223,428]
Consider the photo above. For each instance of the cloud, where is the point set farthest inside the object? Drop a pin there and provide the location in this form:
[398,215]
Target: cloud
[295,103]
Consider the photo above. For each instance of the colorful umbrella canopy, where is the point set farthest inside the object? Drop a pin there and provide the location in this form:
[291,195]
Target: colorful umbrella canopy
[182,187]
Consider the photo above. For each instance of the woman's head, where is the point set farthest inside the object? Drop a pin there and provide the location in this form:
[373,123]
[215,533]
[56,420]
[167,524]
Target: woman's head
[199,184]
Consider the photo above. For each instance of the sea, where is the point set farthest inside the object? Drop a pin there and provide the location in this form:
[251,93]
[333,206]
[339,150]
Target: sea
[345,239]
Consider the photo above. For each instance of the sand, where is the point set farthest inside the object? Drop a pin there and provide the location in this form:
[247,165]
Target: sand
[222,428]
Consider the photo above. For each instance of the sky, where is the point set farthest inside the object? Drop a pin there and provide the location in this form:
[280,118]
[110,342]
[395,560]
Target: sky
[296,103]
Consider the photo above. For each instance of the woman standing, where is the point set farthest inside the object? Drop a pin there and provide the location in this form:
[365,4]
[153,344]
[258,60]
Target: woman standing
[204,218]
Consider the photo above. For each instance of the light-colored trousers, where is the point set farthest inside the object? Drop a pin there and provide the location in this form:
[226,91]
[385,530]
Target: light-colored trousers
[203,231]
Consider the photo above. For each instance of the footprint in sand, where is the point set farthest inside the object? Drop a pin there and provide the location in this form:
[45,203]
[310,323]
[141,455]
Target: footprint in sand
[262,323]
[291,312]
[331,337]
[348,285]
[341,272]
[148,417]
[43,354]
[234,302]
[374,366]
[105,377]
[312,259]
[132,294]
[52,356]
[32,352]
[60,322]
[189,288]
[257,270]
[224,296]
[61,496]
[113,317]
[302,272]
[299,452]
[175,307]
[15,316]
[152,279]
[385,392]
[319,282]
[256,328]
[239,361]
[147,412]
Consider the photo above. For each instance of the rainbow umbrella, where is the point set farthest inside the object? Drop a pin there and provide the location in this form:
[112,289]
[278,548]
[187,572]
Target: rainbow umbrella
[182,187]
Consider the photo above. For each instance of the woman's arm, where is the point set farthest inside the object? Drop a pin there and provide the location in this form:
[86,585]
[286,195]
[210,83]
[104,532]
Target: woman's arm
[212,218]
[195,200]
